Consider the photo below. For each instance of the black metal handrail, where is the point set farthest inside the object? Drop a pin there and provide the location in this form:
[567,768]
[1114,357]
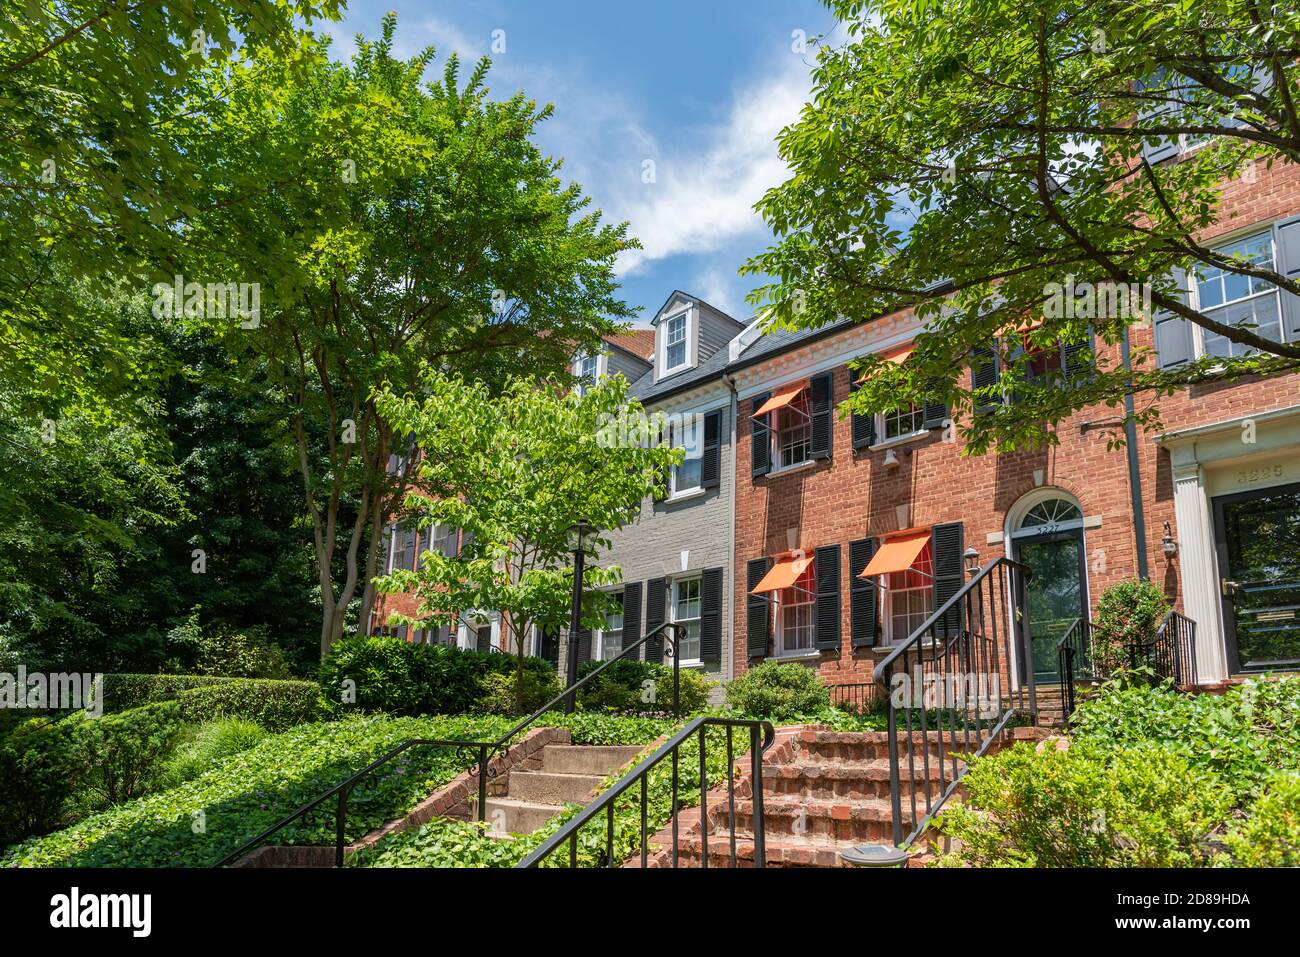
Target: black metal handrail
[484,751]
[1074,661]
[1171,653]
[957,666]
[605,801]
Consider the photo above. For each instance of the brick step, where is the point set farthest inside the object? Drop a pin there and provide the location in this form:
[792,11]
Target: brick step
[855,822]
[586,759]
[850,779]
[779,851]
[548,787]
[863,747]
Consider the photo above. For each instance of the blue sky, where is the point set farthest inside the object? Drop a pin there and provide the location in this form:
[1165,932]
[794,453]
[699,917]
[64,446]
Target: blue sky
[699,88]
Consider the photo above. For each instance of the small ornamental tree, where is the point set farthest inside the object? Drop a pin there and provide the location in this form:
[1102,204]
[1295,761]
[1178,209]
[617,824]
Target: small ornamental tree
[515,472]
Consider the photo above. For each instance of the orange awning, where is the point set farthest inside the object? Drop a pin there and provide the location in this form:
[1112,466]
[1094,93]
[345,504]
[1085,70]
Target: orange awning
[897,355]
[783,574]
[897,554]
[782,398]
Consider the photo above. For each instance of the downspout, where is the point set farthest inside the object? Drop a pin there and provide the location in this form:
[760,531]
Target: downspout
[734,408]
[1134,474]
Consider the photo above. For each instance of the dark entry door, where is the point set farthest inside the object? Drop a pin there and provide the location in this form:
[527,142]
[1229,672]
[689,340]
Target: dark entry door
[1057,593]
[1258,539]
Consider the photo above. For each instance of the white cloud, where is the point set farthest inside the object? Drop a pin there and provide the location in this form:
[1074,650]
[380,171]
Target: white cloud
[708,182]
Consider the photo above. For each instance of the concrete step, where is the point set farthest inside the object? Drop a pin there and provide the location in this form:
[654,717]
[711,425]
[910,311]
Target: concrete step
[548,787]
[590,759]
[511,816]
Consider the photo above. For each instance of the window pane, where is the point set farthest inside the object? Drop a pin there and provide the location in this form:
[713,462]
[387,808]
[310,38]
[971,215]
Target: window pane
[687,475]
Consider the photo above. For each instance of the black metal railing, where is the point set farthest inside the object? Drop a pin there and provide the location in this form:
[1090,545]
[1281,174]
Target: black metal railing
[857,698]
[604,805]
[483,753]
[1074,662]
[1171,653]
[954,685]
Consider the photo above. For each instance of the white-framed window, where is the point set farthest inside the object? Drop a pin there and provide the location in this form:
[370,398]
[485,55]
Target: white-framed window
[442,539]
[675,342]
[792,433]
[1237,300]
[901,422]
[909,597]
[587,370]
[686,477]
[795,607]
[610,641]
[686,611]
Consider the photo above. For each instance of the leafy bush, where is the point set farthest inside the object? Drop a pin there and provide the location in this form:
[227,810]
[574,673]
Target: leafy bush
[241,654]
[1153,777]
[206,744]
[629,686]
[497,691]
[39,769]
[121,754]
[1128,613]
[275,705]
[1244,735]
[251,790]
[778,691]
[402,678]
[202,820]
[1140,807]
[1270,835]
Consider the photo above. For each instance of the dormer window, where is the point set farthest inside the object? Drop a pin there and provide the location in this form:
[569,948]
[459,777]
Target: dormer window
[586,369]
[675,343]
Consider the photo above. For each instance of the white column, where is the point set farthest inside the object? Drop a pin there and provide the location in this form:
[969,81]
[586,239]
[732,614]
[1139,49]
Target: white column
[1200,584]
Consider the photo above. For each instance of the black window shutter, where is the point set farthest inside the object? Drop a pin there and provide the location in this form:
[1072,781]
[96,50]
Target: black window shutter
[711,615]
[826,565]
[1173,333]
[823,409]
[864,426]
[632,616]
[948,543]
[758,618]
[711,466]
[1077,358]
[936,415]
[550,649]
[656,590]
[1288,264]
[760,443]
[983,374]
[862,594]
[584,645]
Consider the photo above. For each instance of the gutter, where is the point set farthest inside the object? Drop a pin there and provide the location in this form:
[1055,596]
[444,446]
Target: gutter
[731,537]
[1134,473]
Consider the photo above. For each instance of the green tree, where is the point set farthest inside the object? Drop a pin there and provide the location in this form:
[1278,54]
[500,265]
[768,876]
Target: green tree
[969,158]
[93,178]
[515,473]
[390,222]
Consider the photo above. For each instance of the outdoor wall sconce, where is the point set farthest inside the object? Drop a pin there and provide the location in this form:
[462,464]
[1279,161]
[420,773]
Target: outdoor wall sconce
[891,460]
[1167,542]
[972,558]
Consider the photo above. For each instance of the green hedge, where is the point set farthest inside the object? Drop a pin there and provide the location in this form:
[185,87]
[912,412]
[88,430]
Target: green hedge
[276,705]
[629,686]
[395,676]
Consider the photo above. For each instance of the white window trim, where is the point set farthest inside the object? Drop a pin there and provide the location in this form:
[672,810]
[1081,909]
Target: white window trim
[689,363]
[1194,290]
[774,444]
[672,610]
[598,634]
[470,622]
[697,492]
[898,439]
[602,368]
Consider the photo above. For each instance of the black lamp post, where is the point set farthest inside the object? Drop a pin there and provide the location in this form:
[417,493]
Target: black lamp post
[578,535]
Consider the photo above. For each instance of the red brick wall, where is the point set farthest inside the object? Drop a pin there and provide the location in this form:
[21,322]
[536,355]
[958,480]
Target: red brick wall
[854,496]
